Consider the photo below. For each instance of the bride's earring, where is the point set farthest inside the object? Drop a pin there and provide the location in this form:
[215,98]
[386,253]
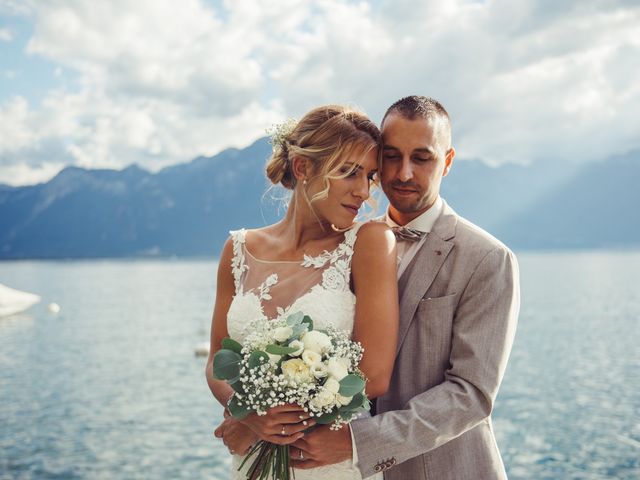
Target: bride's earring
[304,182]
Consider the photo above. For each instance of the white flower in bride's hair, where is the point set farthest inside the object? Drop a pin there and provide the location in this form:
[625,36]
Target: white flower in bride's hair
[280,132]
[282,334]
[332,385]
[296,370]
[337,368]
[311,358]
[316,342]
[297,344]
[319,370]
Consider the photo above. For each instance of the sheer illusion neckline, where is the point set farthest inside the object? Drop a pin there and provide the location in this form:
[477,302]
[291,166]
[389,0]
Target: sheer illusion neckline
[305,259]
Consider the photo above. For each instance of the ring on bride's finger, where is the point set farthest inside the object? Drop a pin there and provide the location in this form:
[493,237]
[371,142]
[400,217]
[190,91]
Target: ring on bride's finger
[282,432]
[301,456]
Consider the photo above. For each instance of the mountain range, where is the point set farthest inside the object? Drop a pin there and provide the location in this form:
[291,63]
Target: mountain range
[188,209]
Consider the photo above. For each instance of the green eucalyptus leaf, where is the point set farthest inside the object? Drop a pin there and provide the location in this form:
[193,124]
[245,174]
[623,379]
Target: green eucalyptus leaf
[298,330]
[356,402]
[327,418]
[351,385]
[307,321]
[279,350]
[295,319]
[237,411]
[226,364]
[231,344]
[236,384]
[258,358]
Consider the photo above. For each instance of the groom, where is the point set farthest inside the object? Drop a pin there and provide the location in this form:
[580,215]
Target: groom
[459,300]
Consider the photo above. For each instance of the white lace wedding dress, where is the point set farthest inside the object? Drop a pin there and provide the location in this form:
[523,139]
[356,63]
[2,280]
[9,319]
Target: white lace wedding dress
[317,286]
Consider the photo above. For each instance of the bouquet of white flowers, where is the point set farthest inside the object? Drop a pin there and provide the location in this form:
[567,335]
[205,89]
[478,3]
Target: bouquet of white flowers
[286,361]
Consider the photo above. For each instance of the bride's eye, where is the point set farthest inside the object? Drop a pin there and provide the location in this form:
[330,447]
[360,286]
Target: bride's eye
[349,172]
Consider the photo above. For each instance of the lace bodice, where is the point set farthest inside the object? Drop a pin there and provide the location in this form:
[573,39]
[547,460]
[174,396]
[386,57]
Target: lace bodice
[317,286]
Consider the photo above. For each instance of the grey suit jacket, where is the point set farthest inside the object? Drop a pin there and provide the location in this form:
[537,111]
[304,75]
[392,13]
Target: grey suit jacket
[459,302]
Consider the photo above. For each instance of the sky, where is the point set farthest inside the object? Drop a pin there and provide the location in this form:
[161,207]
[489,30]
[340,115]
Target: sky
[156,82]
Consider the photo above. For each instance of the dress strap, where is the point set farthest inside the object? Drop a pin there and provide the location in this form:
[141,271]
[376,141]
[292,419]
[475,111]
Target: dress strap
[238,264]
[350,238]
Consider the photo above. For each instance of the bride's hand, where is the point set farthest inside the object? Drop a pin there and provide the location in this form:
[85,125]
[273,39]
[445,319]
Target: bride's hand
[281,425]
[237,437]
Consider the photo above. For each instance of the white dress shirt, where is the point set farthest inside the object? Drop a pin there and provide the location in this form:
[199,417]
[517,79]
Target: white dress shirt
[423,223]
[406,251]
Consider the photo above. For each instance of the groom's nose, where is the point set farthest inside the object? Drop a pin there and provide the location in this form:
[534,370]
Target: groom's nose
[405,173]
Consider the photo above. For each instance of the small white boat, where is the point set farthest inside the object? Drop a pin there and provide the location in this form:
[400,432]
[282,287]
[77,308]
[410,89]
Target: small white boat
[15,301]
[202,350]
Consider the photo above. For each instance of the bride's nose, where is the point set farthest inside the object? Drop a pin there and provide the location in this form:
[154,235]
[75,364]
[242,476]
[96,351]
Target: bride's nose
[361,189]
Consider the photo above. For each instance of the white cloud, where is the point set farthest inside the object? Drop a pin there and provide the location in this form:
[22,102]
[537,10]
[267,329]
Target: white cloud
[6,35]
[160,84]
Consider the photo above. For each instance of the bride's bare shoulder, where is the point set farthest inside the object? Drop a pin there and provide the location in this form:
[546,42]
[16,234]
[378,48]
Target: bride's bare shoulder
[261,240]
[374,234]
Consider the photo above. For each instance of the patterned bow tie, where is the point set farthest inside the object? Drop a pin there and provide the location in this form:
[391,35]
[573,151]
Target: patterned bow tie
[408,234]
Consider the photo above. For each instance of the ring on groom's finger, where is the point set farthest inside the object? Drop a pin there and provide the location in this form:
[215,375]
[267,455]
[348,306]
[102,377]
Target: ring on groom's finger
[282,432]
[301,456]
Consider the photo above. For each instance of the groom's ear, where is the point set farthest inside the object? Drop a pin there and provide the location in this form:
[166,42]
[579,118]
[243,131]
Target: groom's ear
[448,160]
[301,168]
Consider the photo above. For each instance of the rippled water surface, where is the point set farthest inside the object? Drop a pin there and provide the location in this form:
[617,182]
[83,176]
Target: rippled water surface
[110,387]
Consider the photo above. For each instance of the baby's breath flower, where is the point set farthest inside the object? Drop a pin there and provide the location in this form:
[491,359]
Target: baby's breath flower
[280,132]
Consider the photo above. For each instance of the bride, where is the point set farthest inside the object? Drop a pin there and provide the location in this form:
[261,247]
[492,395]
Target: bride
[316,260]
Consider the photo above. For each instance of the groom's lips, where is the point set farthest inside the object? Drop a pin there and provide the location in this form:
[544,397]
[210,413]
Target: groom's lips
[404,191]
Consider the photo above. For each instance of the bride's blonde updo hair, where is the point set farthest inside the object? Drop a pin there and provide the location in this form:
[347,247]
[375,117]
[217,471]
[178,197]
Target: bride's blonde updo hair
[326,136]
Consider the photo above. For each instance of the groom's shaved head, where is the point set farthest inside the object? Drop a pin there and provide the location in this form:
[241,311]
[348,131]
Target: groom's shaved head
[416,107]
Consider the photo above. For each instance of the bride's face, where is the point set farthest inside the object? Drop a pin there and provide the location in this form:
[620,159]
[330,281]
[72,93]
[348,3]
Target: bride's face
[346,195]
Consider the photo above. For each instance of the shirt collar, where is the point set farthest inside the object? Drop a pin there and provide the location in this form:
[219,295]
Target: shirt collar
[425,221]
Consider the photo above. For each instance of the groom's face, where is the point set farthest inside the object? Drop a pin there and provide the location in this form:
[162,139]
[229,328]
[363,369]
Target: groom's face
[413,164]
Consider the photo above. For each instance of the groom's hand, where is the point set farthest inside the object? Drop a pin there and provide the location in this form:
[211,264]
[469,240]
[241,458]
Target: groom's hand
[322,446]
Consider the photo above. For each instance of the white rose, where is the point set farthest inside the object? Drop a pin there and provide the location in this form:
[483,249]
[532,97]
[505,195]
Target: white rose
[316,341]
[311,358]
[332,385]
[298,345]
[343,400]
[337,368]
[296,370]
[282,334]
[323,398]
[319,370]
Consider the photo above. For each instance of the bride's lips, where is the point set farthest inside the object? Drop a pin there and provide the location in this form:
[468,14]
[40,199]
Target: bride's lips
[353,209]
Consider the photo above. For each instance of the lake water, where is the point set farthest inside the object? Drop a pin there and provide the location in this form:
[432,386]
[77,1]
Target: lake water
[110,388]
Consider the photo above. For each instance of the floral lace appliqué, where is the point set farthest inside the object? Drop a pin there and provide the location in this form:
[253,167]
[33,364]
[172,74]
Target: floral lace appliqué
[238,265]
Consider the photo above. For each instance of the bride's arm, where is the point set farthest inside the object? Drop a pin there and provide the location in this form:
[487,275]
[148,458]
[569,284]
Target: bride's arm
[374,273]
[268,427]
[224,294]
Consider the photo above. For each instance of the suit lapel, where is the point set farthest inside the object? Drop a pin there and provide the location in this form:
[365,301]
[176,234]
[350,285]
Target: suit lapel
[423,269]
